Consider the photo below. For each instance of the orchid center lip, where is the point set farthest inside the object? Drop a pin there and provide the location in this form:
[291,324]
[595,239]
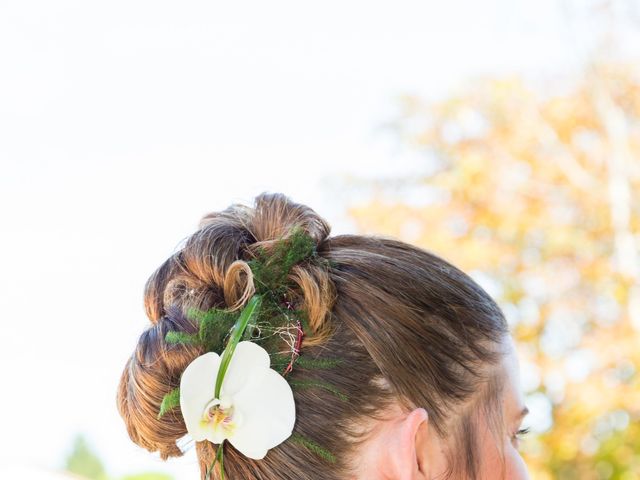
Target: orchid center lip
[221,413]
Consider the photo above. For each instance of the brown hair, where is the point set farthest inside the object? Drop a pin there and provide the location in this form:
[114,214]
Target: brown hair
[408,326]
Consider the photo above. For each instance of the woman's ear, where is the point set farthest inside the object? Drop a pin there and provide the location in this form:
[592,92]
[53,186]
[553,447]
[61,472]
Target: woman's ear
[404,451]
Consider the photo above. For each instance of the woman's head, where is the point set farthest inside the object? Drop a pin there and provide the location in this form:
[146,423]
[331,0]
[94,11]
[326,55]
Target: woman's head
[420,344]
[405,446]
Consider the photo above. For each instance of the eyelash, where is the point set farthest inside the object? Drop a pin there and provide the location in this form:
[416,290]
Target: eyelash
[519,434]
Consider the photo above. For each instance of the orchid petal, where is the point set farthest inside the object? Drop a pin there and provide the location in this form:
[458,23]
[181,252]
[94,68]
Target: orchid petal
[268,411]
[247,357]
[197,388]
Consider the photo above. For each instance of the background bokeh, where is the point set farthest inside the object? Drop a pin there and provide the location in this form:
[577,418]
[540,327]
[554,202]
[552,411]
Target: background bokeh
[503,135]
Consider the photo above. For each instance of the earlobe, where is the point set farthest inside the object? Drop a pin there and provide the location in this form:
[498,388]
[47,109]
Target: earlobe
[406,450]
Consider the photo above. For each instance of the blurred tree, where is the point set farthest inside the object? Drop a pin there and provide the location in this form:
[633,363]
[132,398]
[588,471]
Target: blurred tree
[538,197]
[148,476]
[82,461]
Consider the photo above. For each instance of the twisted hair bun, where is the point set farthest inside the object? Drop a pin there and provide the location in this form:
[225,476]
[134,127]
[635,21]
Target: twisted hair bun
[400,325]
[211,270]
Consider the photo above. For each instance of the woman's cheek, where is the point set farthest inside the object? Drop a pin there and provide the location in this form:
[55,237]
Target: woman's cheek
[516,469]
[492,466]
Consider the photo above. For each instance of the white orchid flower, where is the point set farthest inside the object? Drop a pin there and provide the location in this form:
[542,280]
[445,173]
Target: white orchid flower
[256,409]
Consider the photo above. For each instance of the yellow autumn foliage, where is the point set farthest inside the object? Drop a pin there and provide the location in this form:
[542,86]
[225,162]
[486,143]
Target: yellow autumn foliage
[539,193]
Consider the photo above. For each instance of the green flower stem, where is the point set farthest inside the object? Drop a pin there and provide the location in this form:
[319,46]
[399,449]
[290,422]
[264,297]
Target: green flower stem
[221,461]
[217,459]
[250,310]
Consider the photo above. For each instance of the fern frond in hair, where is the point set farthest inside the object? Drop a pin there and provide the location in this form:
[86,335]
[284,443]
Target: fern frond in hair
[170,400]
[270,269]
[313,446]
[316,383]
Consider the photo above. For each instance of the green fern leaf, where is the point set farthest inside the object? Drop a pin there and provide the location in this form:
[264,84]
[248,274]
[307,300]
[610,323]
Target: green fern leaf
[319,384]
[313,446]
[169,401]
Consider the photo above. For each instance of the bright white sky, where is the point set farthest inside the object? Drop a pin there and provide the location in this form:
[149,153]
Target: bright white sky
[122,122]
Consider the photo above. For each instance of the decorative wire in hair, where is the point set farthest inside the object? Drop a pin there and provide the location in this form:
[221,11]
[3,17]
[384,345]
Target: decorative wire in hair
[268,320]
